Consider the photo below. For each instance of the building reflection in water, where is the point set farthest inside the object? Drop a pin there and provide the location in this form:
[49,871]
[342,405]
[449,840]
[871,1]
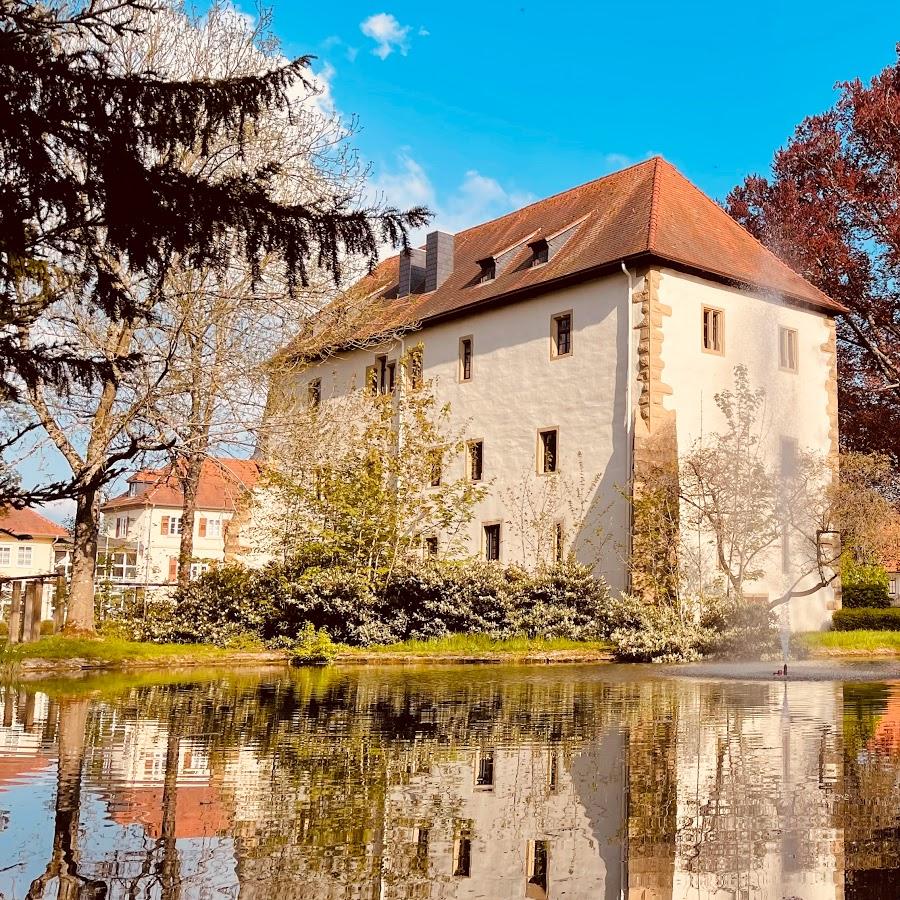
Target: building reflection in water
[455,786]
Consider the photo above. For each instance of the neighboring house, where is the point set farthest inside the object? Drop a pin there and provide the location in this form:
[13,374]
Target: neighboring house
[587,333]
[141,529]
[30,545]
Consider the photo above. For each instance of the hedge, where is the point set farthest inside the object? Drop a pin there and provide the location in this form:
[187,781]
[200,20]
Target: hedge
[871,618]
[863,586]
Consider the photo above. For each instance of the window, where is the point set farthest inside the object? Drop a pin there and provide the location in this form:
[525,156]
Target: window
[416,368]
[787,349]
[134,488]
[209,528]
[431,546]
[199,568]
[122,566]
[558,542]
[713,333]
[314,392]
[122,525]
[170,525]
[476,460]
[420,861]
[492,541]
[462,854]
[538,863]
[547,458]
[562,335]
[465,359]
[173,568]
[435,465]
[5,555]
[553,773]
[23,556]
[484,776]
[488,271]
[894,587]
[541,253]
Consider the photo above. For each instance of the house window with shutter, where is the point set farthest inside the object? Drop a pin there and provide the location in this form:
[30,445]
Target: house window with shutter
[170,525]
[122,524]
[713,330]
[201,527]
[214,528]
[173,568]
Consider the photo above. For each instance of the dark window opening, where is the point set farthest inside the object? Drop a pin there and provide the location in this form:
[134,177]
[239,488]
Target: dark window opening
[554,771]
[314,392]
[421,855]
[465,359]
[488,271]
[541,253]
[476,460]
[485,775]
[431,546]
[548,451]
[462,855]
[558,543]
[562,335]
[536,888]
[492,542]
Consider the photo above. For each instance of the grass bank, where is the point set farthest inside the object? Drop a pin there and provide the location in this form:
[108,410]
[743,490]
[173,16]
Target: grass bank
[481,648]
[849,643]
[60,653]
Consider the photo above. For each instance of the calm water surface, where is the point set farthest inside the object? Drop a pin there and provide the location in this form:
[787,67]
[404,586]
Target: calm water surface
[462,782]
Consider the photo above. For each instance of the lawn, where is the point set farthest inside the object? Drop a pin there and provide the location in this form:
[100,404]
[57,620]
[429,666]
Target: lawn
[851,642]
[115,651]
[481,645]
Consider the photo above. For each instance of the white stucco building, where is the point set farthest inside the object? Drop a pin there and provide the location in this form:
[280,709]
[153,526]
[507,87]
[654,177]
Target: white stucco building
[31,546]
[576,334]
[141,529]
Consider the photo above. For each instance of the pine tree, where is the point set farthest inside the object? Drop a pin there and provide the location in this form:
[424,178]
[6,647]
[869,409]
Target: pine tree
[96,205]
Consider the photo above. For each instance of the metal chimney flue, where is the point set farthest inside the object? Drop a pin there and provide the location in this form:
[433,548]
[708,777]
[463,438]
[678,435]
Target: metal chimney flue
[412,272]
[438,259]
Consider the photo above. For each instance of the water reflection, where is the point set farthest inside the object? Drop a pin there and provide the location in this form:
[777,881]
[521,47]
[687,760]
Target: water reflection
[482,783]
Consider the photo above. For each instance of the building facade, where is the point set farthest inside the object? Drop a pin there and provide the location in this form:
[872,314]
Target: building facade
[32,546]
[141,529]
[583,337]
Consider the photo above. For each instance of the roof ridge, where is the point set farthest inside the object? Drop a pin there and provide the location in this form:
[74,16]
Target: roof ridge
[653,221]
[576,187]
[721,209]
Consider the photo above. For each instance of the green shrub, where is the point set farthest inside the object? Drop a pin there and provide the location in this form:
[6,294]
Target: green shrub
[650,632]
[863,585]
[871,619]
[4,629]
[48,626]
[313,648]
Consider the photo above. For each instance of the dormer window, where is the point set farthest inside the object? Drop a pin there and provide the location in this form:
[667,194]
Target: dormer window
[488,270]
[540,253]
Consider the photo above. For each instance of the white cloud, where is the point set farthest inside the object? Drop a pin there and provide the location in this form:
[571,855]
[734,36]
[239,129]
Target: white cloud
[388,34]
[477,198]
[59,511]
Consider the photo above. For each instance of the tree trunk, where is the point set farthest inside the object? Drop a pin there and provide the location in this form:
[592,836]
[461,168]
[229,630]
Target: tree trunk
[80,614]
[190,483]
[170,868]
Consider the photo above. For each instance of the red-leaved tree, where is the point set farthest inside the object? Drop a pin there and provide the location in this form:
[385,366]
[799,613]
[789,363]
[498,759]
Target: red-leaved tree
[831,210]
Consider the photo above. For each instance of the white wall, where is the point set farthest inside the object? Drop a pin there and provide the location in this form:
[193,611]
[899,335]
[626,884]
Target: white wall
[517,389]
[796,403]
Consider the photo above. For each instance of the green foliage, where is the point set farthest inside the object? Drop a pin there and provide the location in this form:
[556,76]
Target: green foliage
[47,627]
[863,585]
[872,619]
[313,647]
[279,602]
[663,632]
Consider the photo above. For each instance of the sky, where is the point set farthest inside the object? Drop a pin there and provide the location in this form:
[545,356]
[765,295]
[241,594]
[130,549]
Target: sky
[474,109]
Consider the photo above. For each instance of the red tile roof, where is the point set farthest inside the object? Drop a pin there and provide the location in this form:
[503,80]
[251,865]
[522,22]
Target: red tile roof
[647,212]
[222,482]
[27,521]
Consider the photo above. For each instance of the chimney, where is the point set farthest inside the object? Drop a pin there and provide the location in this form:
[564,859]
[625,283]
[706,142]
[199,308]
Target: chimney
[412,272]
[438,259]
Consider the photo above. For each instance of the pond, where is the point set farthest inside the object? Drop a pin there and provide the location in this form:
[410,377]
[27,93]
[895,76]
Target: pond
[452,782]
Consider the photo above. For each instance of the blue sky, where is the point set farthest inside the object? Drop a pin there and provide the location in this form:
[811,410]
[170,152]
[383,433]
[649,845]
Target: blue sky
[475,107]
